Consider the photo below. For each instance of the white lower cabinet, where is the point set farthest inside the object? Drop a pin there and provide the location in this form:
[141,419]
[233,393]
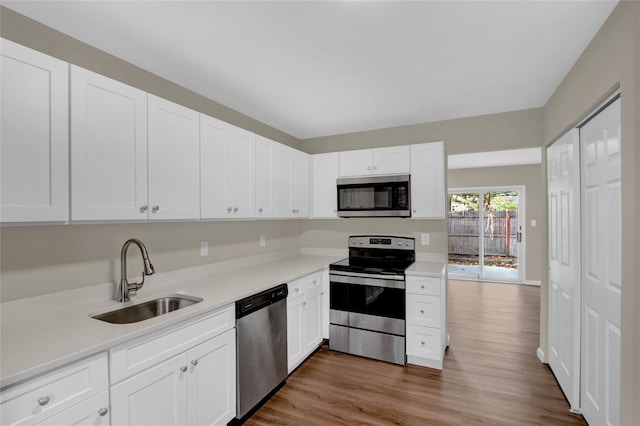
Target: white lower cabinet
[304,318]
[426,319]
[196,386]
[76,394]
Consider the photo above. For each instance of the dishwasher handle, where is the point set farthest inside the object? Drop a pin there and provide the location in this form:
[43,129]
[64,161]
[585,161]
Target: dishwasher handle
[260,300]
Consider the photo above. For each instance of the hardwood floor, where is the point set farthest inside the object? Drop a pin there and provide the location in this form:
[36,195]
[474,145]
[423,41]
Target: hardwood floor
[491,374]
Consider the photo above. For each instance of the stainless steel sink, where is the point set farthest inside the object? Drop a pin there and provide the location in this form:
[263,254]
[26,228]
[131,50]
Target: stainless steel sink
[146,310]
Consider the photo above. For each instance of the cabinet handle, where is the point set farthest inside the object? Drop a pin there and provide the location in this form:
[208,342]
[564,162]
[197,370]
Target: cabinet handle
[422,311]
[194,362]
[183,368]
[322,293]
[422,286]
[297,289]
[43,400]
[304,303]
[155,209]
[369,168]
[375,167]
[422,343]
[314,282]
[235,210]
[415,211]
[260,210]
[144,209]
[229,209]
[103,412]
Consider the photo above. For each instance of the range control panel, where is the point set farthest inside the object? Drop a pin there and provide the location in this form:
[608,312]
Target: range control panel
[381,242]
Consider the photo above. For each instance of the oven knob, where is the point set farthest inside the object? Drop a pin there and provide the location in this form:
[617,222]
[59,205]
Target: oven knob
[353,241]
[361,241]
[400,243]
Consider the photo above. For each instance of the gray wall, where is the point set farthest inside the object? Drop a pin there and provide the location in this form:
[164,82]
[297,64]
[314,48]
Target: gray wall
[611,60]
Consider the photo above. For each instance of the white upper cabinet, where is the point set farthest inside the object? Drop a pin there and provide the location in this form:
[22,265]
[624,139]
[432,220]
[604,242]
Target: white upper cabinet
[34,135]
[428,191]
[324,175]
[265,178]
[378,161]
[290,184]
[227,170]
[108,149]
[173,168]
[283,180]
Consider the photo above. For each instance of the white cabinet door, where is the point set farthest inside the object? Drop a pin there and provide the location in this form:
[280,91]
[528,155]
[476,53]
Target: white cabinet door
[391,160]
[155,397]
[299,183]
[428,190]
[356,163]
[294,331]
[283,180]
[211,383]
[174,175]
[108,149]
[265,177]
[34,135]
[325,172]
[226,170]
[92,412]
[312,320]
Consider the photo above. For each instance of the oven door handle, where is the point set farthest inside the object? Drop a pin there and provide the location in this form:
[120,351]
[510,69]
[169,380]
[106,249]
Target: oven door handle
[389,281]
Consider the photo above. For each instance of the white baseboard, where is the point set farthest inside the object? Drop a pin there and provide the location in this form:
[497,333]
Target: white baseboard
[529,282]
[540,354]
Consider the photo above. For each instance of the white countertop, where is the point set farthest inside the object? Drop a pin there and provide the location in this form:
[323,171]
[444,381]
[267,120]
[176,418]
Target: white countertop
[38,337]
[433,269]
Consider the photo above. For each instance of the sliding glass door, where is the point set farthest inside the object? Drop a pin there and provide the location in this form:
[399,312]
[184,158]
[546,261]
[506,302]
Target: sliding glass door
[485,234]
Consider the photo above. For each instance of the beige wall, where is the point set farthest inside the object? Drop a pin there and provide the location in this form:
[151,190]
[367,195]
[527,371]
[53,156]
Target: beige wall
[531,178]
[612,60]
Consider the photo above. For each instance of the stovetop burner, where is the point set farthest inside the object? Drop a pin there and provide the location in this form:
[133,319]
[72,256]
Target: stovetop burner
[380,255]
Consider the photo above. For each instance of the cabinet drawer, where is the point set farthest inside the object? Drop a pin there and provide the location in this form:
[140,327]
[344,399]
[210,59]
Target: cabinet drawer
[423,285]
[48,395]
[137,355]
[424,342]
[312,282]
[94,412]
[296,288]
[423,310]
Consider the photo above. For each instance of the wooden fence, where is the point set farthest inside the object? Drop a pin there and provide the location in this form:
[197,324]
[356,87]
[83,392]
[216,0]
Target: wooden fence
[500,233]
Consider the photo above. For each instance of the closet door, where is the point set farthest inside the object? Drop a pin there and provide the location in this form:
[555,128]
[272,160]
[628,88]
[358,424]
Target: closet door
[563,186]
[601,242]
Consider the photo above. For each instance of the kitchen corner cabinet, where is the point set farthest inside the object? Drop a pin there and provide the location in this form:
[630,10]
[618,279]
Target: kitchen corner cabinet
[227,167]
[304,318]
[34,136]
[428,190]
[177,377]
[426,317]
[108,149]
[377,161]
[174,153]
[75,394]
[325,172]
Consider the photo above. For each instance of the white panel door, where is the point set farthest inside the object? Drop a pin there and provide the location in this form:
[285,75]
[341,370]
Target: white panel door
[356,163]
[294,331]
[34,136]
[391,160]
[283,180]
[155,397]
[601,242]
[563,186]
[226,170]
[265,178]
[211,384]
[108,149]
[324,190]
[428,190]
[312,319]
[174,161]
[299,183]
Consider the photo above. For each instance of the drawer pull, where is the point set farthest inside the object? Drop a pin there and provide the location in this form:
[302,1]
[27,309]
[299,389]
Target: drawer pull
[422,311]
[183,368]
[314,282]
[43,400]
[297,289]
[422,286]
[422,343]
[194,362]
[103,412]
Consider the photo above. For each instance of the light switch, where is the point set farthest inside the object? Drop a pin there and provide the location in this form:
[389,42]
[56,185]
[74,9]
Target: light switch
[425,238]
[204,248]
[263,241]
[533,223]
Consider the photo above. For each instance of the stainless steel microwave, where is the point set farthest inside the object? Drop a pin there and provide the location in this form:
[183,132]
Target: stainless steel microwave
[374,196]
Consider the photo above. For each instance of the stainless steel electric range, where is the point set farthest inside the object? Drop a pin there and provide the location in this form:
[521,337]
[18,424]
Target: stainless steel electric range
[367,298]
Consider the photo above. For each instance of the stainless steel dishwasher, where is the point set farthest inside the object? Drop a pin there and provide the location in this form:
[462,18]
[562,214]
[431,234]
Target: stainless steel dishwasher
[261,339]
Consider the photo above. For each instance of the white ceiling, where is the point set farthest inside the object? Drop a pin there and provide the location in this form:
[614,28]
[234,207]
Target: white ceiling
[317,68]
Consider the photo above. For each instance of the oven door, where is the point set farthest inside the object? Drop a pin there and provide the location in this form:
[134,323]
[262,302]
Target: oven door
[376,304]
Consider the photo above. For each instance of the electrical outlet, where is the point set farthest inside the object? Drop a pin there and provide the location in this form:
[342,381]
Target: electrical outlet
[204,248]
[263,241]
[533,223]
[425,238]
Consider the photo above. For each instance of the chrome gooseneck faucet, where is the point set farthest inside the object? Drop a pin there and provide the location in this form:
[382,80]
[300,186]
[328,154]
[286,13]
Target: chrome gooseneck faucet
[124,288]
